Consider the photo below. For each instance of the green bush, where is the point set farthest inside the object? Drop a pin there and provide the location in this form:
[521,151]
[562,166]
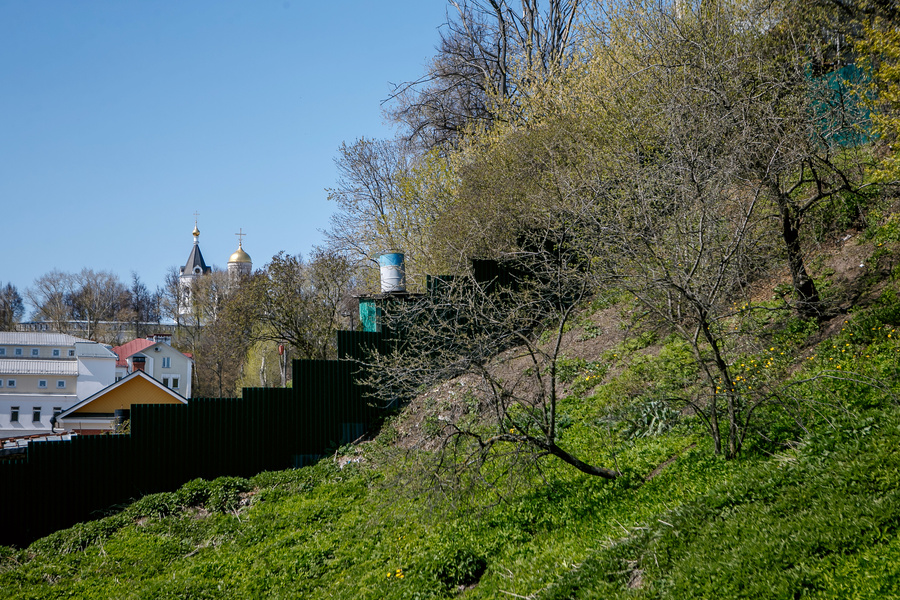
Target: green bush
[458,566]
[155,505]
[225,493]
[194,494]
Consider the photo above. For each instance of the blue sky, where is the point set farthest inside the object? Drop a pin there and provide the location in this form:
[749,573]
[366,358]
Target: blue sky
[119,119]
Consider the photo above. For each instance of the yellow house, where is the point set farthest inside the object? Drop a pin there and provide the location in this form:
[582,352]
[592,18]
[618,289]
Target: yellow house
[101,412]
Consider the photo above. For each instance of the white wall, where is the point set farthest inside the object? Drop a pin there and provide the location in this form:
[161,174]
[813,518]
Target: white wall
[94,374]
[26,404]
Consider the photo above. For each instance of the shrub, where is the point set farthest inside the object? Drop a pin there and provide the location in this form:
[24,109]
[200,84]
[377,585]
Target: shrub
[458,566]
[154,505]
[225,493]
[194,493]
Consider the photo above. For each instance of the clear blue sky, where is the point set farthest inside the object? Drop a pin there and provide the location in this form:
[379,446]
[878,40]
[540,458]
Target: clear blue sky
[121,118]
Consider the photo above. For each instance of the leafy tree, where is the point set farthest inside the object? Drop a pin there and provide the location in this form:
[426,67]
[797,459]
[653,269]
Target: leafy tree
[302,303]
[877,42]
[12,308]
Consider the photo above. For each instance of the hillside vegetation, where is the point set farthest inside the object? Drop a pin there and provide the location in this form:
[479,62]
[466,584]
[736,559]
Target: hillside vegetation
[681,380]
[812,507]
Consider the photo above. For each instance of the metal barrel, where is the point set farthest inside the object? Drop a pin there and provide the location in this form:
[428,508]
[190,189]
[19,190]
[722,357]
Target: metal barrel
[393,272]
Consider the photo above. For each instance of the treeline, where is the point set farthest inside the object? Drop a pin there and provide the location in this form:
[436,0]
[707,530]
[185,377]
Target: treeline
[88,297]
[241,331]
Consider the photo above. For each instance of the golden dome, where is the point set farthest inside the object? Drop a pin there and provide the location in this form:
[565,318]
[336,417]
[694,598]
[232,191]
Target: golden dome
[196,231]
[240,256]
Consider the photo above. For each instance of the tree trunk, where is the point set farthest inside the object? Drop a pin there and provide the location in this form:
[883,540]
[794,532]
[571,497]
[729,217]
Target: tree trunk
[581,465]
[808,304]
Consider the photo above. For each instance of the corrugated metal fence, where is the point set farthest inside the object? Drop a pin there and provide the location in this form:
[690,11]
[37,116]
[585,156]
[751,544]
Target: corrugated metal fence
[60,483]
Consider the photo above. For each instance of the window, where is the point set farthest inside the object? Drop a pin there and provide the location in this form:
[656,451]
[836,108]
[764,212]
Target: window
[42,383]
[175,383]
[19,352]
[167,362]
[36,414]
[60,383]
[10,383]
[56,353]
[2,351]
[1,383]
[14,414]
[35,351]
[57,410]
[166,381]
[71,352]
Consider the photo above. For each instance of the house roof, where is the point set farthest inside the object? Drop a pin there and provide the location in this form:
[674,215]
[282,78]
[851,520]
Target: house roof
[36,338]
[17,366]
[125,381]
[92,350]
[131,348]
[126,351]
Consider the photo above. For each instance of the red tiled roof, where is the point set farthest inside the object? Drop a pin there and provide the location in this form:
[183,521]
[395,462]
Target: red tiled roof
[133,347]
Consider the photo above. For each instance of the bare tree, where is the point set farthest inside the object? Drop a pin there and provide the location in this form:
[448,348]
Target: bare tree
[143,306]
[491,52]
[501,337]
[49,296]
[97,296]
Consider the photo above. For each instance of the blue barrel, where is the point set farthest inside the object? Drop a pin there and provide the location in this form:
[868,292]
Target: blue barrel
[393,272]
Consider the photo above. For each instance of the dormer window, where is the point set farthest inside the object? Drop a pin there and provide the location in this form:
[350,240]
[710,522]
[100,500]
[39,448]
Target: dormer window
[197,270]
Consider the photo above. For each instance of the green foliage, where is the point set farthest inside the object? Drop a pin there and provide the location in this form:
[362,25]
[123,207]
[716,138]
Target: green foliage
[457,566]
[81,536]
[194,493]
[155,505]
[650,418]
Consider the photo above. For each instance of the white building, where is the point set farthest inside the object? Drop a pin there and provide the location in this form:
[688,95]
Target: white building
[158,359]
[43,374]
[193,269]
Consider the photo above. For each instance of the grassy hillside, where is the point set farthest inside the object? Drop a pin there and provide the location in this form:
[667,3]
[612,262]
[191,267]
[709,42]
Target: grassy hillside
[810,508]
